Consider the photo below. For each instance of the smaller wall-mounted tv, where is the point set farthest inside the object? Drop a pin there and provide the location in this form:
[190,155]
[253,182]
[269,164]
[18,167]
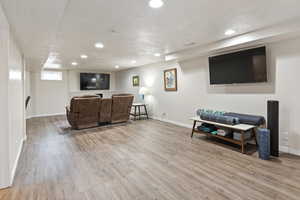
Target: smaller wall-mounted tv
[247,66]
[94,81]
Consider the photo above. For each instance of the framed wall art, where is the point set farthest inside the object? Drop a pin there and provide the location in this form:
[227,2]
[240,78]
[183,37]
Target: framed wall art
[170,79]
[135,81]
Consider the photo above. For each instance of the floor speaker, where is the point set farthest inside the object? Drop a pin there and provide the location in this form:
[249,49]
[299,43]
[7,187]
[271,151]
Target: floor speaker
[273,126]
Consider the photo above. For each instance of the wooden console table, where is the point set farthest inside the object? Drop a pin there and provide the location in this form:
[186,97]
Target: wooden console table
[139,114]
[242,128]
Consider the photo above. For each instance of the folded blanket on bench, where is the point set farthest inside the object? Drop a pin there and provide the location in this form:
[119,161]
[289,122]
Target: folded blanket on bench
[219,118]
[230,117]
[247,119]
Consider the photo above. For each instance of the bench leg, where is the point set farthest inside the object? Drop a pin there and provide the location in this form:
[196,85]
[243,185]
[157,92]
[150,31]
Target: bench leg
[243,141]
[254,135]
[193,128]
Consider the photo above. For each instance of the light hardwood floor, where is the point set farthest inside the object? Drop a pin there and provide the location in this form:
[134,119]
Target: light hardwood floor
[143,160]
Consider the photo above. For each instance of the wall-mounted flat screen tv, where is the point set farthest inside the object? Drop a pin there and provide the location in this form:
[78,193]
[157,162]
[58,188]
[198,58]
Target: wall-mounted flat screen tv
[94,81]
[247,66]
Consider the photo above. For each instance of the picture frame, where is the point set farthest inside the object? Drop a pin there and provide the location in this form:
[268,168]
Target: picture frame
[170,79]
[135,81]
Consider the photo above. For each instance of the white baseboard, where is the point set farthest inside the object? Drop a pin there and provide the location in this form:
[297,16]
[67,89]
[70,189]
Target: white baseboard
[289,150]
[284,149]
[173,122]
[45,115]
[13,172]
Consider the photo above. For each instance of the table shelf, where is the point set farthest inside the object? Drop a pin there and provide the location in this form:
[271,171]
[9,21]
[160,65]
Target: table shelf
[228,139]
[242,128]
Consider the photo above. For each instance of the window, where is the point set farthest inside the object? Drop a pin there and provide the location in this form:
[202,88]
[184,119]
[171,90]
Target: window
[15,74]
[51,76]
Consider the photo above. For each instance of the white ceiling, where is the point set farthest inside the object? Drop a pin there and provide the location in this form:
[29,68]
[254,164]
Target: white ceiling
[130,30]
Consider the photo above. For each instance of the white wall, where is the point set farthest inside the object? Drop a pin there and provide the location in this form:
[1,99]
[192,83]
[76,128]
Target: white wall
[11,103]
[4,136]
[28,93]
[48,97]
[51,97]
[194,90]
[15,103]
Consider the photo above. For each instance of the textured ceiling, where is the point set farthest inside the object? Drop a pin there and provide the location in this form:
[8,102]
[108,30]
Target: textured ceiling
[130,30]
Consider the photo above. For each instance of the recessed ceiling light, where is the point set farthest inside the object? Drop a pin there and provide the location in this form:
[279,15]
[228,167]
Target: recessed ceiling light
[157,54]
[52,65]
[117,66]
[99,45]
[156,3]
[74,63]
[229,32]
[83,56]
[133,61]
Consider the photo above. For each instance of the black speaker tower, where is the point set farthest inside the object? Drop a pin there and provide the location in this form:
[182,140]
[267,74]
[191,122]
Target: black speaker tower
[273,126]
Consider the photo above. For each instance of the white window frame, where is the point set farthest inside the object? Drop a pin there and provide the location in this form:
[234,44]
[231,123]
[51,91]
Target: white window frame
[50,75]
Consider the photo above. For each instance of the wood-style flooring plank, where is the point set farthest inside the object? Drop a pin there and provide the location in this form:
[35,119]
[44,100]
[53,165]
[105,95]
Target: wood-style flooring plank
[144,159]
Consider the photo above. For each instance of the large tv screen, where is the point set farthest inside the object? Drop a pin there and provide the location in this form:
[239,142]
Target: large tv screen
[248,66]
[93,81]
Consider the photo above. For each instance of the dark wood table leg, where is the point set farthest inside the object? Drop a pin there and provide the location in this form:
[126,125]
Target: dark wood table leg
[243,141]
[254,135]
[146,111]
[139,107]
[193,128]
[134,113]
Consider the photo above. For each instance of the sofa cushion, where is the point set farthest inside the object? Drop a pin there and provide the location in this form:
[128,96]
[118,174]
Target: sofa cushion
[83,112]
[105,110]
[121,106]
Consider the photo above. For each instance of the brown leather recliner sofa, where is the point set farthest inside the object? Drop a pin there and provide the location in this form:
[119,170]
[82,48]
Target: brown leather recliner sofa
[91,111]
